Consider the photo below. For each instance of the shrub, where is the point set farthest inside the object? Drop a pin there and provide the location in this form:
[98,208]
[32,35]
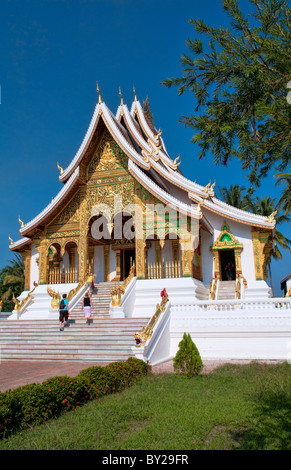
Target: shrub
[187,360]
[36,403]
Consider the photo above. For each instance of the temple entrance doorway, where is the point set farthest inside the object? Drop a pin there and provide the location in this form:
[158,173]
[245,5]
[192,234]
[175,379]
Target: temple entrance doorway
[227,265]
[127,261]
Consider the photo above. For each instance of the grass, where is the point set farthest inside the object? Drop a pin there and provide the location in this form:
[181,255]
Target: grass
[235,407]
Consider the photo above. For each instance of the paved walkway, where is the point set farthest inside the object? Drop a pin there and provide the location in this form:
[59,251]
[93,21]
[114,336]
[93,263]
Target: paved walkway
[14,374]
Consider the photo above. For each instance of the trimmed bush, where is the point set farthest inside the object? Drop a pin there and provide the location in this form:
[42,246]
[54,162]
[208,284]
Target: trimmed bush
[36,403]
[187,360]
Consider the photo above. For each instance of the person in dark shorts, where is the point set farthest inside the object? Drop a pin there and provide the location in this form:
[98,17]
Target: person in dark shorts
[64,311]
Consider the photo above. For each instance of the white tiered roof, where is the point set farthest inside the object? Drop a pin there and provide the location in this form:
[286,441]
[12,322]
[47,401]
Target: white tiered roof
[148,155]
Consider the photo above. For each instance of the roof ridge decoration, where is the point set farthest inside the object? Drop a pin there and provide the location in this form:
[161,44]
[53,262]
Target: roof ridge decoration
[149,149]
[98,91]
[150,157]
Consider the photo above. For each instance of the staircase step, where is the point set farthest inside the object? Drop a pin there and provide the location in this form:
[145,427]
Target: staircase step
[226,290]
[105,339]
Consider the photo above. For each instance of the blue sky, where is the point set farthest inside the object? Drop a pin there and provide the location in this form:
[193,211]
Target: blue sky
[52,54]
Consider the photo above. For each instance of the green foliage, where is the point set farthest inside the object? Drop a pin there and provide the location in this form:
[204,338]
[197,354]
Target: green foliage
[187,360]
[238,74]
[36,403]
[234,407]
[11,282]
[234,196]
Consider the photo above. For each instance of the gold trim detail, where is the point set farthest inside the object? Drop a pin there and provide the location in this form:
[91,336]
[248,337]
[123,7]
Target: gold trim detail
[226,241]
[147,331]
[262,247]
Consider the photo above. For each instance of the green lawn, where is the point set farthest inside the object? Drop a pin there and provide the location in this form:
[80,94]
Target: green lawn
[235,407]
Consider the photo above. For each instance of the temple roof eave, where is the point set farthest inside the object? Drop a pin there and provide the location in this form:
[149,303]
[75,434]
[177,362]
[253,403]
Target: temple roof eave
[156,159]
[20,244]
[161,194]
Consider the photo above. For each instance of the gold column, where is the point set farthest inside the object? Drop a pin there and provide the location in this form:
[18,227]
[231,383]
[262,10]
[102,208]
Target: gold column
[91,259]
[42,260]
[237,253]
[262,247]
[106,262]
[216,263]
[140,258]
[118,253]
[187,256]
[26,258]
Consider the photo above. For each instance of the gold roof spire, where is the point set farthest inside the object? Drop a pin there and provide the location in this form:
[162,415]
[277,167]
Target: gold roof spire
[20,221]
[11,241]
[60,168]
[176,160]
[98,91]
[135,98]
[121,97]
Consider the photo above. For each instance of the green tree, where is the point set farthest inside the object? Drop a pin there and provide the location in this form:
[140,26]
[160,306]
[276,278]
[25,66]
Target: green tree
[285,199]
[187,360]
[238,74]
[234,196]
[11,282]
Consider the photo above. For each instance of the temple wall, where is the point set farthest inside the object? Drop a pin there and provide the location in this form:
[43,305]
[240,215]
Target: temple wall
[34,271]
[207,257]
[241,232]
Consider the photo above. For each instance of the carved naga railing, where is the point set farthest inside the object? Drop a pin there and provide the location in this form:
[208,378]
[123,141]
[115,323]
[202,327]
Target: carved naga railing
[238,285]
[20,304]
[212,288]
[146,333]
[118,289]
[56,296]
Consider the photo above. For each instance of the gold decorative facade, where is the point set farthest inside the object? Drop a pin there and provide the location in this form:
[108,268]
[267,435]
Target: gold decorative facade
[104,177]
[226,242]
[262,247]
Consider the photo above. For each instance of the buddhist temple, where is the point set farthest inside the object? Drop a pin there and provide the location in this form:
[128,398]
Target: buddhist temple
[128,220]
[123,162]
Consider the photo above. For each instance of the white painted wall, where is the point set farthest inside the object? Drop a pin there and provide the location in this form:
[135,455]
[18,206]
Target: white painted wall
[34,271]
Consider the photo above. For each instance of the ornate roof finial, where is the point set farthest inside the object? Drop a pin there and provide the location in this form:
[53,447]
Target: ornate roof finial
[199,205]
[271,217]
[98,91]
[176,160]
[206,189]
[135,98]
[212,186]
[60,168]
[20,221]
[11,241]
[158,134]
[120,94]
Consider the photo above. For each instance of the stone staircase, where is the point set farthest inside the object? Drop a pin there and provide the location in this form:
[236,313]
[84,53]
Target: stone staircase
[226,290]
[101,299]
[104,340]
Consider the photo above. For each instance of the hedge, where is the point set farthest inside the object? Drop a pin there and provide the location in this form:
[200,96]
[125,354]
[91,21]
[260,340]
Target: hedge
[36,403]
